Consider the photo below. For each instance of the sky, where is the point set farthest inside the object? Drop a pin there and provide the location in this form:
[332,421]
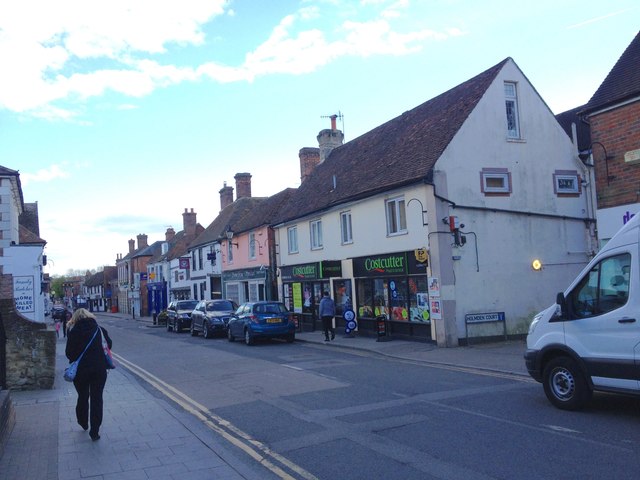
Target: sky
[120,114]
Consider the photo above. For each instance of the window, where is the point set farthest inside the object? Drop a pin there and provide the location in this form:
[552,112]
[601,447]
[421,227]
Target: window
[292,238]
[566,183]
[316,234]
[396,216]
[345,227]
[495,181]
[252,246]
[511,103]
[603,289]
[200,259]
[229,252]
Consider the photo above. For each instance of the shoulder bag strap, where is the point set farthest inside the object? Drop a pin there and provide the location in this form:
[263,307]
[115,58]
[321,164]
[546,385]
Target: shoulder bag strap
[85,348]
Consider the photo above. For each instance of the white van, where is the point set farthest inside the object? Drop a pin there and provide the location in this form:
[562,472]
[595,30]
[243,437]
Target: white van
[590,338]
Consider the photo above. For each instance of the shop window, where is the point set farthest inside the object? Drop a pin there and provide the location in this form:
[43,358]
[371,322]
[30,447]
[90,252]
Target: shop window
[511,103]
[292,239]
[345,227]
[315,228]
[495,181]
[566,183]
[342,295]
[396,216]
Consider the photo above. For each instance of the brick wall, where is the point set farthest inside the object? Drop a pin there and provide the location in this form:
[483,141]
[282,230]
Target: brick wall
[619,131]
[30,347]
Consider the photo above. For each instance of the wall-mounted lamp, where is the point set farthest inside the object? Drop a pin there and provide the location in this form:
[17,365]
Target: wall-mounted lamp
[229,234]
[585,154]
[424,212]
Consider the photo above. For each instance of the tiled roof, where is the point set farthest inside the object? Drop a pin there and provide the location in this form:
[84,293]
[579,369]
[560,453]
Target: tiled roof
[565,119]
[231,215]
[148,251]
[27,237]
[264,212]
[623,81]
[398,152]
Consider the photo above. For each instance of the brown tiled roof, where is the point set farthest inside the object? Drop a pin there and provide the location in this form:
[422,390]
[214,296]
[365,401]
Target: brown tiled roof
[231,215]
[623,81]
[27,237]
[264,212]
[399,152]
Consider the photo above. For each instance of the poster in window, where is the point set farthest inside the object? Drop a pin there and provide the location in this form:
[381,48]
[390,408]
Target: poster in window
[436,309]
[420,313]
[434,287]
[297,297]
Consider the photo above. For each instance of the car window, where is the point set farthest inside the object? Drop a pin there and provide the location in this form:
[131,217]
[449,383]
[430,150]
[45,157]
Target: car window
[188,305]
[223,306]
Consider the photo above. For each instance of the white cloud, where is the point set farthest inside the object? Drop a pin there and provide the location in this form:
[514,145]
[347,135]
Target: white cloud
[44,175]
[73,50]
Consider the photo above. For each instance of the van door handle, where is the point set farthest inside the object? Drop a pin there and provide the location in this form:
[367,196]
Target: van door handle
[627,320]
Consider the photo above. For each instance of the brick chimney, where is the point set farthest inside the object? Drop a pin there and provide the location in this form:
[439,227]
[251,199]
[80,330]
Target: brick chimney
[142,241]
[329,139]
[309,159]
[189,222]
[169,234]
[132,245]
[226,196]
[243,185]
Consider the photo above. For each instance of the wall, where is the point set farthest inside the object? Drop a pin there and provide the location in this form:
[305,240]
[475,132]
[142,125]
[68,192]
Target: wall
[30,347]
[25,261]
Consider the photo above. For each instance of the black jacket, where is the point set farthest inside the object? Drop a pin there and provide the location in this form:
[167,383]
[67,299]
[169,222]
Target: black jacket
[78,337]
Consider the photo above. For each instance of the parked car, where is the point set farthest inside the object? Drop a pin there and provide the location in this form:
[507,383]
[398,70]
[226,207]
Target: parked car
[211,317]
[179,314]
[261,319]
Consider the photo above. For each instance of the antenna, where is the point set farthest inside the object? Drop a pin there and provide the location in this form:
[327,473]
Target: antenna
[333,118]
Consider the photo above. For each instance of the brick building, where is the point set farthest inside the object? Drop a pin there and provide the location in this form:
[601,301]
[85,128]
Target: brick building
[613,113]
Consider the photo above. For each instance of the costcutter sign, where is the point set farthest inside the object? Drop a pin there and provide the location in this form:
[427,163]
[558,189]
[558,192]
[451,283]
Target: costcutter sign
[413,262]
[311,271]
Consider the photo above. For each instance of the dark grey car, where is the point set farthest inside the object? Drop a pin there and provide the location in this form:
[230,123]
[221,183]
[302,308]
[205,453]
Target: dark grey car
[179,314]
[211,317]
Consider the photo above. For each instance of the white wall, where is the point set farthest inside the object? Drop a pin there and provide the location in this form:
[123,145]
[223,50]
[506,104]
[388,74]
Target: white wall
[24,262]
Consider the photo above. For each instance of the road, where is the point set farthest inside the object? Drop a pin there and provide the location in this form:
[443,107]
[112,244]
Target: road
[310,412]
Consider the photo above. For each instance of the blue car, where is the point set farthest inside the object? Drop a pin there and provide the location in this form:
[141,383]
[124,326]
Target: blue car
[261,319]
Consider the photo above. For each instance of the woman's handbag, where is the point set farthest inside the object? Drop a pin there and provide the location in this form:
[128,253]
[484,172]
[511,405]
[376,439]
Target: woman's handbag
[72,369]
[107,353]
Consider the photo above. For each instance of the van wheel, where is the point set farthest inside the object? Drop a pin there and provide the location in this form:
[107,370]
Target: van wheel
[565,385]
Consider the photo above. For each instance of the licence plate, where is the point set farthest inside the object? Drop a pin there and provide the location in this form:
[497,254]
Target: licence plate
[273,320]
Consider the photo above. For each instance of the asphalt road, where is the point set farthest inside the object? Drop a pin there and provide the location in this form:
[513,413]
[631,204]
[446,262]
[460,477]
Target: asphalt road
[323,413]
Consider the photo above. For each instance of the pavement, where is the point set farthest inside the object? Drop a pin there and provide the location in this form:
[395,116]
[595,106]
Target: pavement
[146,437]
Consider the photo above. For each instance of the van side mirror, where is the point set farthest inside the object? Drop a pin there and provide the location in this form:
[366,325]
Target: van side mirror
[562,303]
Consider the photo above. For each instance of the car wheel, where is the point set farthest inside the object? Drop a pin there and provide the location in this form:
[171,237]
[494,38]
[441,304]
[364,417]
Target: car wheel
[248,338]
[176,326]
[193,332]
[290,338]
[230,336]
[205,330]
[565,385]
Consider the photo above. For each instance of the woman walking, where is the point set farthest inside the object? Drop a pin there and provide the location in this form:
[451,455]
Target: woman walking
[83,330]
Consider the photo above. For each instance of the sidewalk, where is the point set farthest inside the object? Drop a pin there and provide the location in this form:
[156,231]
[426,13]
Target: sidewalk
[146,437]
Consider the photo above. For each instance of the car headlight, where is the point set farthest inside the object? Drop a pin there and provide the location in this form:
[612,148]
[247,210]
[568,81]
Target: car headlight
[534,322]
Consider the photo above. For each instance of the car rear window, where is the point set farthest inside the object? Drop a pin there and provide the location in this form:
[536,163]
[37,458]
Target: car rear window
[270,308]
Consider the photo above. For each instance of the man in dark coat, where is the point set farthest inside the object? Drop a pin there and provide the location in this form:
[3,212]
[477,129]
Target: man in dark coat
[92,369]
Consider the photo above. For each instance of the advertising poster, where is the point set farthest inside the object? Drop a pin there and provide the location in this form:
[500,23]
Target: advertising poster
[297,297]
[434,287]
[23,292]
[436,309]
[421,311]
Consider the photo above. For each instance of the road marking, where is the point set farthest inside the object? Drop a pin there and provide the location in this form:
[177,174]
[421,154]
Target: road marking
[255,449]
[293,368]
[558,428]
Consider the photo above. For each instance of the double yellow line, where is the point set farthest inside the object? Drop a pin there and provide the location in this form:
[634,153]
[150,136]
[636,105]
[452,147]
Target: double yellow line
[255,449]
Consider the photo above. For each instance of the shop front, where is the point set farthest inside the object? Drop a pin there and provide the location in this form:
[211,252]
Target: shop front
[246,285]
[303,286]
[394,286]
[156,297]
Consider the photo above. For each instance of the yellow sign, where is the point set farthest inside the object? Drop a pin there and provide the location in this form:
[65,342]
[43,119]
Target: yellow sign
[421,255]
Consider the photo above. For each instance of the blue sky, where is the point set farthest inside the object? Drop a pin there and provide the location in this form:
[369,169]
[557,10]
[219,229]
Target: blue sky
[121,114]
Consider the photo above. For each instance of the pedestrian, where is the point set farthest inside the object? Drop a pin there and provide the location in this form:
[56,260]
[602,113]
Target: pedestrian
[327,311]
[92,369]
[57,325]
[66,315]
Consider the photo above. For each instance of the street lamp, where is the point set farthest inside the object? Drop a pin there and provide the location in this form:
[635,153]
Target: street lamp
[229,234]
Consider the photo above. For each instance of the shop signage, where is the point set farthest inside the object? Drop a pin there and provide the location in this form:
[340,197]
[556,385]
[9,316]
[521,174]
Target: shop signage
[311,271]
[379,265]
[248,274]
[184,263]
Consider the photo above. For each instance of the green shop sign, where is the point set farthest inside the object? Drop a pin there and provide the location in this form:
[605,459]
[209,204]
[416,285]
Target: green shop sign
[378,265]
[311,271]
